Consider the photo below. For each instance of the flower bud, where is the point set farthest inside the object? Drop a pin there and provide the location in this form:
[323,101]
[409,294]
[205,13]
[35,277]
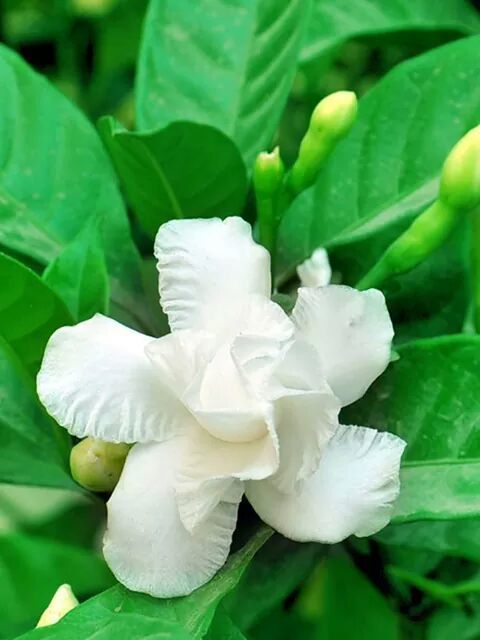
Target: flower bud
[335,114]
[97,465]
[268,173]
[62,602]
[460,180]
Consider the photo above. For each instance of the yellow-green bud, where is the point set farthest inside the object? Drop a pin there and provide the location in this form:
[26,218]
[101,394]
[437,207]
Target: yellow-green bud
[97,465]
[268,173]
[460,180]
[335,114]
[62,602]
[331,119]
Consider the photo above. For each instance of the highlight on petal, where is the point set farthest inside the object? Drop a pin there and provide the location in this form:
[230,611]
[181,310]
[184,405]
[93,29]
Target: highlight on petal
[207,268]
[146,545]
[351,331]
[316,270]
[352,491]
[96,380]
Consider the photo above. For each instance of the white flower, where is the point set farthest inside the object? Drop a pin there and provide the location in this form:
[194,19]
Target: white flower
[238,398]
[316,270]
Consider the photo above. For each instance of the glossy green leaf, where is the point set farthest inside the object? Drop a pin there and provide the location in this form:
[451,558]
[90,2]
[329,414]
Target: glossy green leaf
[430,397]
[79,274]
[186,170]
[32,569]
[55,176]
[230,65]
[447,623]
[223,627]
[331,24]
[386,170]
[125,614]
[29,312]
[33,449]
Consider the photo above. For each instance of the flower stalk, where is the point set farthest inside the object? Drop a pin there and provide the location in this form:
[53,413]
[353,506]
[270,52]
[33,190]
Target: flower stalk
[459,193]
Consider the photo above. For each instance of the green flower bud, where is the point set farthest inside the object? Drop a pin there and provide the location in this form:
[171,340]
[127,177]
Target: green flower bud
[460,180]
[268,173]
[97,465]
[331,119]
[62,602]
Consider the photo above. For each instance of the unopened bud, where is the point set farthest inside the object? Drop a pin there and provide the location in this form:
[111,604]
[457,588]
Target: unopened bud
[268,173]
[335,114]
[62,602]
[97,465]
[460,180]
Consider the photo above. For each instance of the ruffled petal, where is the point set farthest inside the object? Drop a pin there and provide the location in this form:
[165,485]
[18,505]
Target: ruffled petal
[352,492]
[211,468]
[96,380]
[316,270]
[146,545]
[207,268]
[352,332]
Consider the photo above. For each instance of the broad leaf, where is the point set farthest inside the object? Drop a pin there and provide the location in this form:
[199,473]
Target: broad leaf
[125,613]
[430,397]
[386,171]
[79,274]
[226,64]
[223,627]
[56,176]
[332,24]
[185,170]
[33,568]
[29,312]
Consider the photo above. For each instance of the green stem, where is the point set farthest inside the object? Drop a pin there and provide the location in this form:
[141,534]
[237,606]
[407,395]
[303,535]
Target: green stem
[475,266]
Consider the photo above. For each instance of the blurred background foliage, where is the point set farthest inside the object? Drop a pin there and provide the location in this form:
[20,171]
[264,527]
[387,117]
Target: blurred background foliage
[387,587]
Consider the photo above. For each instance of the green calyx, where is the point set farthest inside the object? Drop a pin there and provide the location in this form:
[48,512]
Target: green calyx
[459,194]
[331,119]
[268,173]
[97,465]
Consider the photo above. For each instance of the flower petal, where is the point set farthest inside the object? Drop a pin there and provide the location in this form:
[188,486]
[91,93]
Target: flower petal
[352,332]
[96,380]
[211,468]
[352,492]
[207,268]
[316,270]
[146,545]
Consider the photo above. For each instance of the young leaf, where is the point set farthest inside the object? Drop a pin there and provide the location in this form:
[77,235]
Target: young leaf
[128,613]
[430,397]
[33,568]
[29,312]
[226,64]
[386,170]
[79,274]
[185,170]
[55,176]
[332,24]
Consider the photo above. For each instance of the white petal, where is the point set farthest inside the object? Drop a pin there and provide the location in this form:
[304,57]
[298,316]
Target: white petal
[316,270]
[352,492]
[352,332]
[306,414]
[146,545]
[96,380]
[207,268]
[212,468]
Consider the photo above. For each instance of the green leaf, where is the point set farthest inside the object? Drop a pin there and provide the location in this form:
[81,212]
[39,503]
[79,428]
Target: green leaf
[223,627]
[430,397]
[275,572]
[344,604]
[33,449]
[125,614]
[185,170]
[56,176]
[230,65]
[32,569]
[29,312]
[386,170]
[448,623]
[332,24]
[79,274]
